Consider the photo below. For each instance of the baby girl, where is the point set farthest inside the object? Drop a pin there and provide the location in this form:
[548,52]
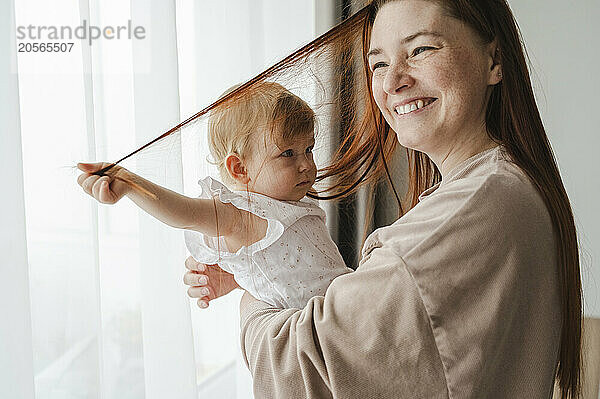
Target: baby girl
[259,225]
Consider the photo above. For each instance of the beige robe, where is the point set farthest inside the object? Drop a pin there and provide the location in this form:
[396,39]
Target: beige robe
[457,299]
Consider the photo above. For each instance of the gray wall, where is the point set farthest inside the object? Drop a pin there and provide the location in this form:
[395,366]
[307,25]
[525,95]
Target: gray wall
[562,41]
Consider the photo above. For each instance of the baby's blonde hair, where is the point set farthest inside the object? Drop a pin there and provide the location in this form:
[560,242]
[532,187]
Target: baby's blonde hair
[267,107]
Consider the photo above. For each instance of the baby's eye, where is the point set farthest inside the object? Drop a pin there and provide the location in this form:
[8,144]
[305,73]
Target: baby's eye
[417,52]
[310,149]
[287,153]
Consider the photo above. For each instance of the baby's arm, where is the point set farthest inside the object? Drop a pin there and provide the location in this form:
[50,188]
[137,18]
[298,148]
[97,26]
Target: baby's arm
[169,207]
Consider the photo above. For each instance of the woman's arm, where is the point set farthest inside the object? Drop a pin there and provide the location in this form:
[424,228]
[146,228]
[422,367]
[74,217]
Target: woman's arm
[369,337]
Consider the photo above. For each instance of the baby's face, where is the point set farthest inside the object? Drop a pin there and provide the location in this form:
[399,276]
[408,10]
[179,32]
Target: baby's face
[284,173]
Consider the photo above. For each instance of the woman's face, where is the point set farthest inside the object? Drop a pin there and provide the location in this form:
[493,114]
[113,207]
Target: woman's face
[426,59]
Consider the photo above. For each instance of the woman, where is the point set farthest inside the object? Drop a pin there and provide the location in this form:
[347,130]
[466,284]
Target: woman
[475,291]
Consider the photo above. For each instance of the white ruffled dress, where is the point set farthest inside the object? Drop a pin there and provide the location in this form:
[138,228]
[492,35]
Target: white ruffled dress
[294,261]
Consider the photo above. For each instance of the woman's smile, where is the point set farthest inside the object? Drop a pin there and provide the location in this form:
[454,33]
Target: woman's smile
[414,107]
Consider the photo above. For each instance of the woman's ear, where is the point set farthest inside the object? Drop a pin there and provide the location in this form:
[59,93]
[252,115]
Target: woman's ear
[495,70]
[236,169]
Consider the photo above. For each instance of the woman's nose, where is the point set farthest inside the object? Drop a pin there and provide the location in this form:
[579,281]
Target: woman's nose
[396,79]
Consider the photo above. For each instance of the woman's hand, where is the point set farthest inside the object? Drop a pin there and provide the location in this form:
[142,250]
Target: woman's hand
[105,189]
[207,282]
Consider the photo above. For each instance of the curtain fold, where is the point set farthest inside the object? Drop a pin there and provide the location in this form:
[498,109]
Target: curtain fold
[16,361]
[168,356]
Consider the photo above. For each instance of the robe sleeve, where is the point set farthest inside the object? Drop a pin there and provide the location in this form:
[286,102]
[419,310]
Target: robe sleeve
[368,337]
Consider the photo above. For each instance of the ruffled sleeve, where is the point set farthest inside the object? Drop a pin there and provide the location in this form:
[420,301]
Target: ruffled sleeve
[279,215]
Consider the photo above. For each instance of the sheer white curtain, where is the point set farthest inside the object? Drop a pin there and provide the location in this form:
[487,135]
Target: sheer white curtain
[93,304]
[16,364]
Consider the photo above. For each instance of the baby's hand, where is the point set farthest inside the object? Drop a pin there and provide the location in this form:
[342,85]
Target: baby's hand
[105,189]
[207,282]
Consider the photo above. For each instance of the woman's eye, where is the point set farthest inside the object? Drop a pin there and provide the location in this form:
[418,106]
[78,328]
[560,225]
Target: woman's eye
[287,153]
[417,52]
[378,65]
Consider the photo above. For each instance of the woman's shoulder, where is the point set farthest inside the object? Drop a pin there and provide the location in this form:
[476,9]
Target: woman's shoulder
[489,184]
[502,188]
[490,201]
[489,173]
[498,188]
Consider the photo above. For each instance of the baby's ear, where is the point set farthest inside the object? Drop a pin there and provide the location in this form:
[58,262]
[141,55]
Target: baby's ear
[236,169]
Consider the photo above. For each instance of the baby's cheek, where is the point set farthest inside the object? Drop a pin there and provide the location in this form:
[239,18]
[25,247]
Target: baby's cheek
[277,177]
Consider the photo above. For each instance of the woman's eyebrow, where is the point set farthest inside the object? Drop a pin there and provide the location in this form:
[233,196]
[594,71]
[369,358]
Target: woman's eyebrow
[407,39]
[412,37]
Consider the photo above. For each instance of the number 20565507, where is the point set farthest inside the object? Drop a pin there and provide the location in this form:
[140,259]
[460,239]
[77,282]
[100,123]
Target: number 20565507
[44,47]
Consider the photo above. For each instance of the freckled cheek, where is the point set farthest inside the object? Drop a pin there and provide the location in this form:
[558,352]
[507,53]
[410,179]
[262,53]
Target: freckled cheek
[378,93]
[451,82]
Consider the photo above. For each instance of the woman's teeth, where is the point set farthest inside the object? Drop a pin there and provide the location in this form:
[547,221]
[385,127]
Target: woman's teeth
[413,106]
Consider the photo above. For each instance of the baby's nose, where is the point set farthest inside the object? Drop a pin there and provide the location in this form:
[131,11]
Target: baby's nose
[304,163]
